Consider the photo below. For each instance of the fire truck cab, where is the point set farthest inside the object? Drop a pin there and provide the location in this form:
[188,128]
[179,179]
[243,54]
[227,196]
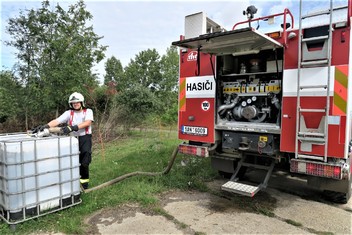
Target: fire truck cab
[250,99]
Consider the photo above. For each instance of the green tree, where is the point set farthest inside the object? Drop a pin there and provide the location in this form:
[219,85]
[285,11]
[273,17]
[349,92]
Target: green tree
[56,51]
[150,77]
[168,92]
[136,103]
[169,70]
[9,96]
[144,70]
[114,71]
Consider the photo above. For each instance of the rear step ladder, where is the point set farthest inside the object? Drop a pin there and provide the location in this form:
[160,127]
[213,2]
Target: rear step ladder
[309,136]
[247,189]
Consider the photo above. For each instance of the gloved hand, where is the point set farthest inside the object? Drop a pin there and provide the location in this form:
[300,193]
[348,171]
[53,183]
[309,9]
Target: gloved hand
[68,129]
[40,128]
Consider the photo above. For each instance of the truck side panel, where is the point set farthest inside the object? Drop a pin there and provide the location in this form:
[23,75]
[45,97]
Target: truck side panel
[315,98]
[336,129]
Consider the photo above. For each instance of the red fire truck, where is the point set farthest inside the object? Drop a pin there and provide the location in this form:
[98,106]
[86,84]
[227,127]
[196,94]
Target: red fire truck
[255,100]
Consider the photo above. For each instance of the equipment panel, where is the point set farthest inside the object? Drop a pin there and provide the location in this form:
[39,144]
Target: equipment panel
[250,90]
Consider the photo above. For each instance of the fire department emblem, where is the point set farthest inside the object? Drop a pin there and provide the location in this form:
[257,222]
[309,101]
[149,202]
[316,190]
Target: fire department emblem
[192,56]
[205,105]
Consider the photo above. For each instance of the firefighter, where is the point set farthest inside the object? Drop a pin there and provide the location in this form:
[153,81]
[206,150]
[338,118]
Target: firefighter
[79,120]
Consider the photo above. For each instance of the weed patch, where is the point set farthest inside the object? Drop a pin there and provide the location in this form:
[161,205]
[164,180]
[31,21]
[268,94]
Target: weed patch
[294,223]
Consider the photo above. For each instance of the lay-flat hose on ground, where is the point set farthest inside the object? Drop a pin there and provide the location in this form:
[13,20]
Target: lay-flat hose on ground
[125,176]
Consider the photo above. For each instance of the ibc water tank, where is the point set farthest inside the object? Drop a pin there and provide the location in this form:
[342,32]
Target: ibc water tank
[38,175]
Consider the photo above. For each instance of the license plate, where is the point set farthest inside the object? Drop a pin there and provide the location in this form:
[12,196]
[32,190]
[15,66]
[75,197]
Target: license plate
[194,130]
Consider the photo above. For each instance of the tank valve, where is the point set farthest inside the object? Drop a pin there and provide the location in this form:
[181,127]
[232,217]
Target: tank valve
[261,144]
[244,144]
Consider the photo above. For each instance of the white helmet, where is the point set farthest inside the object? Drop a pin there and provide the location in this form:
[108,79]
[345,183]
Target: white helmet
[76,97]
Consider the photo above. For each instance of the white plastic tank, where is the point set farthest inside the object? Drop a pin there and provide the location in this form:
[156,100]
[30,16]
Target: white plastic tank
[38,173]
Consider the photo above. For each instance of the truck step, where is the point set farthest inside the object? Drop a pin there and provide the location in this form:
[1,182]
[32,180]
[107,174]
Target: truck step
[313,157]
[240,188]
[311,134]
[314,63]
[313,87]
[312,139]
[312,39]
[312,110]
[316,14]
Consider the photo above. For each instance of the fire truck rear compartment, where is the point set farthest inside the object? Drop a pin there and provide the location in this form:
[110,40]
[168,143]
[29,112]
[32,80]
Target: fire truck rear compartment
[248,114]
[249,91]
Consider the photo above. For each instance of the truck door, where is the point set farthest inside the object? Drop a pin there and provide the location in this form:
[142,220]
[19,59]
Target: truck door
[196,97]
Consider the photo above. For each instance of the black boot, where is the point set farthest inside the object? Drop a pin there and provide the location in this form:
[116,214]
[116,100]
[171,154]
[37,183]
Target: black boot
[85,185]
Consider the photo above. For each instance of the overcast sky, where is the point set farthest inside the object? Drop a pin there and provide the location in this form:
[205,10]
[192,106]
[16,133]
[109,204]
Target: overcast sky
[129,27]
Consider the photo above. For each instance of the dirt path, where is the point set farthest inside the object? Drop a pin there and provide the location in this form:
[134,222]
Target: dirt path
[271,212]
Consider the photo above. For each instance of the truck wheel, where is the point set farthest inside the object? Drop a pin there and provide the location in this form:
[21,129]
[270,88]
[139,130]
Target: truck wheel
[338,197]
[349,193]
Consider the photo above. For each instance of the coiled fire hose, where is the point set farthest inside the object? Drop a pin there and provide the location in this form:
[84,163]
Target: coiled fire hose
[47,132]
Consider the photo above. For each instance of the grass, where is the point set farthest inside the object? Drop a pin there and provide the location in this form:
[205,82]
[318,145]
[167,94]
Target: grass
[294,223]
[140,151]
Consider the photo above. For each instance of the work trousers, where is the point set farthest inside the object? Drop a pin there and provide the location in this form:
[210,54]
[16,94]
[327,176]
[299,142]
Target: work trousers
[85,156]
